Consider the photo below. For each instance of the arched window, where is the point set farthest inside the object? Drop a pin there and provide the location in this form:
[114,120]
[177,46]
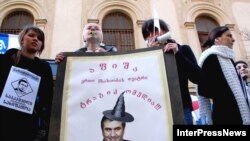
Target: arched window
[14,22]
[204,25]
[118,31]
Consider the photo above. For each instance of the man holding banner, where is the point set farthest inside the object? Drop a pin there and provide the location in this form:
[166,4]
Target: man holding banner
[92,37]
[187,66]
[26,89]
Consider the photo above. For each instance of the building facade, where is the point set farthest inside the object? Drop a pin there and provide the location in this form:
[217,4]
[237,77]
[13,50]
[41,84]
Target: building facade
[121,20]
[63,20]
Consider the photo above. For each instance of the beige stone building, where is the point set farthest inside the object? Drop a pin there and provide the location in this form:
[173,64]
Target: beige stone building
[121,20]
[189,21]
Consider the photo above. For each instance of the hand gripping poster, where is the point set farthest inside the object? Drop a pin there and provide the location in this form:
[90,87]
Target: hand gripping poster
[116,97]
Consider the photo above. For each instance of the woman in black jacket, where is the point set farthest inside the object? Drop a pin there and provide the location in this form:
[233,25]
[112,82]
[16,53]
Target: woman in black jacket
[222,81]
[15,124]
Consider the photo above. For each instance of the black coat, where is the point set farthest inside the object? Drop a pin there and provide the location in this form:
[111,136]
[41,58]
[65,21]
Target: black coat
[19,126]
[188,69]
[225,109]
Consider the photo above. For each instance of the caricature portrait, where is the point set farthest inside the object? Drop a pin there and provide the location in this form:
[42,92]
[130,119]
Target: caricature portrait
[22,87]
[110,101]
[113,122]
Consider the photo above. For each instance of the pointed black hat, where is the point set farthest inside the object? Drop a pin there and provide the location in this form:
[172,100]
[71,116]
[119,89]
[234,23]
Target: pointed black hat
[118,113]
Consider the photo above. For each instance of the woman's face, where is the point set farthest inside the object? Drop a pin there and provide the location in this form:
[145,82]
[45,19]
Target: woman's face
[225,39]
[31,42]
[92,33]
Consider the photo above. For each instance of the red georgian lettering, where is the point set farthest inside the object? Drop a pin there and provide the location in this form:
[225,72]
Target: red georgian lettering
[103,66]
[126,65]
[89,101]
[157,106]
[144,96]
[108,92]
[135,69]
[139,94]
[82,105]
[134,92]
[149,100]
[114,66]
[91,70]
[100,95]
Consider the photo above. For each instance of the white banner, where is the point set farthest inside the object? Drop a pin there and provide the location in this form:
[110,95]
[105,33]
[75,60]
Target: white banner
[92,85]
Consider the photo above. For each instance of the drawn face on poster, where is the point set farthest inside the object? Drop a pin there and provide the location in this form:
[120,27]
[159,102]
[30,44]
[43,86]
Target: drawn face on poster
[22,87]
[112,130]
[114,121]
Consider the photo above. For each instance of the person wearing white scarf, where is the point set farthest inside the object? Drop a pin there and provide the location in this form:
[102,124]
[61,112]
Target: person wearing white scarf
[222,83]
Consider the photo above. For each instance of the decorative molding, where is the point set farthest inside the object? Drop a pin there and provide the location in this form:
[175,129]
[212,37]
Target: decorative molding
[139,22]
[230,26]
[211,1]
[189,25]
[93,21]
[40,21]
[245,34]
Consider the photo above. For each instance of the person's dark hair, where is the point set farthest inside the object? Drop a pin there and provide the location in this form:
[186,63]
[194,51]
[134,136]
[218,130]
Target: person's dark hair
[22,80]
[215,33]
[105,118]
[148,26]
[35,29]
[240,62]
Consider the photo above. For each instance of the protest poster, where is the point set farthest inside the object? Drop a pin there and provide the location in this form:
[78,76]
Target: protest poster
[90,84]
